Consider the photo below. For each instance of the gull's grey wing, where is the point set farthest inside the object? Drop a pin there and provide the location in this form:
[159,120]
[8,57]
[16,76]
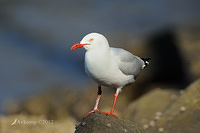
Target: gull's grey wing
[128,63]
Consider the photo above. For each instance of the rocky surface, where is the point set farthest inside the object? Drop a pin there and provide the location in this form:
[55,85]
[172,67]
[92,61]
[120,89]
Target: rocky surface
[189,45]
[160,110]
[168,111]
[183,116]
[102,123]
[150,106]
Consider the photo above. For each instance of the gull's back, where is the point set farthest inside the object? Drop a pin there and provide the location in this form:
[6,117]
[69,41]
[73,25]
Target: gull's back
[128,63]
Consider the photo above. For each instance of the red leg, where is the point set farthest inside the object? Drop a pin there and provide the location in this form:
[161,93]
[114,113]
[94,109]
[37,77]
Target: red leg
[97,102]
[115,99]
[111,113]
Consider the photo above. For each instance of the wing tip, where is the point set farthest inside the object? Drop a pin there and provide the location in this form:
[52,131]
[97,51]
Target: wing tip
[146,62]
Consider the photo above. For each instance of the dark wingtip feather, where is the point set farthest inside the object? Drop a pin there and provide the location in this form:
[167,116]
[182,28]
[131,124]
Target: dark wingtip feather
[146,62]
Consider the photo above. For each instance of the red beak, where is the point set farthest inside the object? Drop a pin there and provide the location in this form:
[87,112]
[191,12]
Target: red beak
[78,45]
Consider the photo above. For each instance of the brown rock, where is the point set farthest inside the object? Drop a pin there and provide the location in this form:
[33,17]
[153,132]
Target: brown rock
[183,116]
[189,45]
[150,106]
[101,123]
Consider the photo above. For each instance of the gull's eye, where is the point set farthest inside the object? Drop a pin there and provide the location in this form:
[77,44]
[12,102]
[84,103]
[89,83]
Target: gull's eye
[91,40]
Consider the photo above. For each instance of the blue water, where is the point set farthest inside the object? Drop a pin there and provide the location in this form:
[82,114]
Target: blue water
[28,67]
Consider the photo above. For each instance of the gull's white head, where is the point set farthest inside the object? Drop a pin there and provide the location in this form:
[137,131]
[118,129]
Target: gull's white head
[92,41]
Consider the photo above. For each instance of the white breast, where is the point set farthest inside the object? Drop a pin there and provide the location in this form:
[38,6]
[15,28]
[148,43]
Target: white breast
[103,68]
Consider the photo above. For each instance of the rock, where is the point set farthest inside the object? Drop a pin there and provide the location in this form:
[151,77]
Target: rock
[167,64]
[168,111]
[189,40]
[101,123]
[183,116]
[150,106]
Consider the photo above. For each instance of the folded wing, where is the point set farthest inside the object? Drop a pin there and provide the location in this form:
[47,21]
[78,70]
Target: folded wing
[128,63]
